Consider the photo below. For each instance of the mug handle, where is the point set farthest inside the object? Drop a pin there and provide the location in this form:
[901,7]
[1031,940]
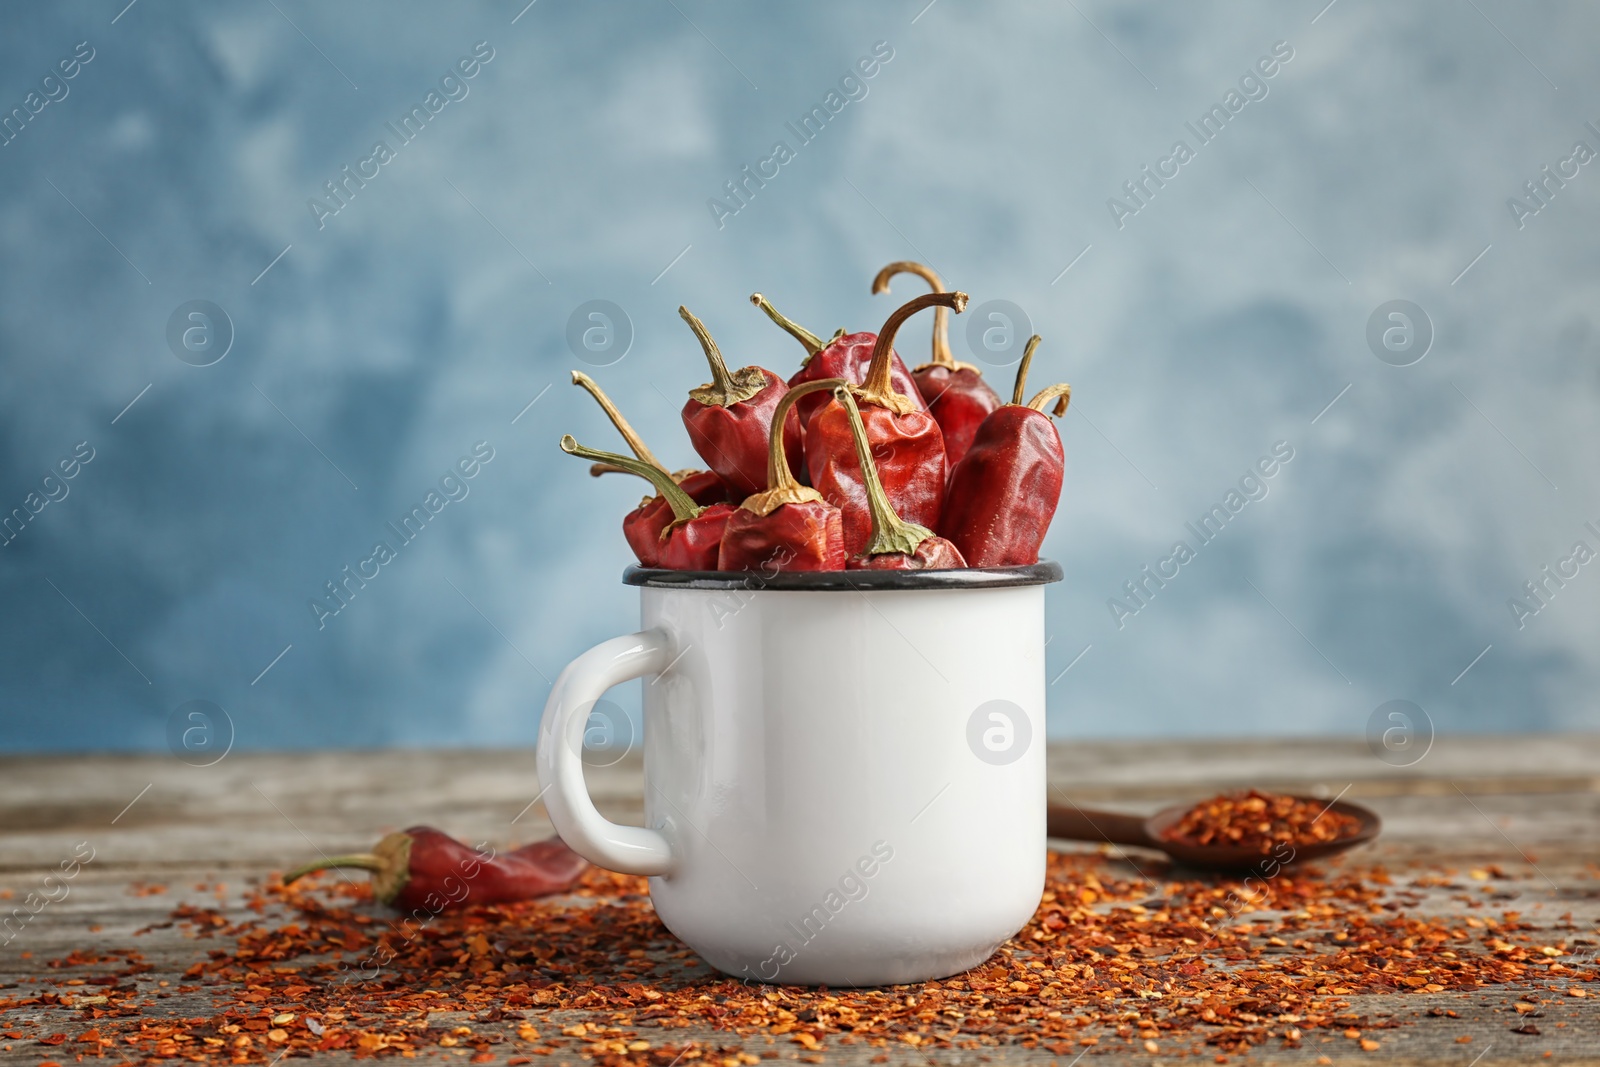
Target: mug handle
[625,849]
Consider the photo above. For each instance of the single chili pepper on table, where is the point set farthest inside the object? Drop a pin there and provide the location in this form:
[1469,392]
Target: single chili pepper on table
[905,440]
[896,545]
[789,526]
[956,394]
[1003,493]
[728,418]
[843,355]
[691,539]
[426,868]
[642,526]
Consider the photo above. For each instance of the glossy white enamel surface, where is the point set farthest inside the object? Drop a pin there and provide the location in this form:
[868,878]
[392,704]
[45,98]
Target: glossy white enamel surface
[812,771]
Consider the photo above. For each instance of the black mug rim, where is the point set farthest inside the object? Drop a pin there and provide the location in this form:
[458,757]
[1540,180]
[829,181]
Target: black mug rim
[1043,572]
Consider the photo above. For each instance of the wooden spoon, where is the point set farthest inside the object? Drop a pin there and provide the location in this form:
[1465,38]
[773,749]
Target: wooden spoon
[1073,823]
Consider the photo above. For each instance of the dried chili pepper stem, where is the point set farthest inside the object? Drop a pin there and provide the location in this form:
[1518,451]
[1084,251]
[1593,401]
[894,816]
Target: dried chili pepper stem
[389,861]
[597,469]
[642,526]
[878,388]
[726,388]
[1022,368]
[845,355]
[782,487]
[361,861]
[956,394]
[890,533]
[812,343]
[683,506]
[942,356]
[635,444]
[1061,392]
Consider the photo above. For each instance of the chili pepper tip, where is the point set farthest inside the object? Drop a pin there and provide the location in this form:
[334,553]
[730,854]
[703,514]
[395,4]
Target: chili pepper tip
[880,283]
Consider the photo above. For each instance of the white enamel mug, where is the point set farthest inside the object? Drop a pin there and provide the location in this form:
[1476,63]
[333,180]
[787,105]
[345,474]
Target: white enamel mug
[844,772]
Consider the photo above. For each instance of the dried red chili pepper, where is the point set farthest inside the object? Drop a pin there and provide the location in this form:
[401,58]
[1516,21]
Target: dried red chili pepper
[843,355]
[788,527]
[956,394]
[427,868]
[728,418]
[691,538]
[896,545]
[905,439]
[642,526]
[1003,493]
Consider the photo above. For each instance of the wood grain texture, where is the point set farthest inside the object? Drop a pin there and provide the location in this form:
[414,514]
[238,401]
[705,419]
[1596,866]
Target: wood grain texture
[1468,803]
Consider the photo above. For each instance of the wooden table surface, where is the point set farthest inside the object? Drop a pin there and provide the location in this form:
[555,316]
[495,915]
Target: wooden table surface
[1473,801]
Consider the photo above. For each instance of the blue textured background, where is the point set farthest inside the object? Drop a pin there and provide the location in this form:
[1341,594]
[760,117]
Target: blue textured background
[1221,318]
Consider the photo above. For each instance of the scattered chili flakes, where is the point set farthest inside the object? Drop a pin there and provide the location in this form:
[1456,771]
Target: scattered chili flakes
[1182,966]
[1258,821]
